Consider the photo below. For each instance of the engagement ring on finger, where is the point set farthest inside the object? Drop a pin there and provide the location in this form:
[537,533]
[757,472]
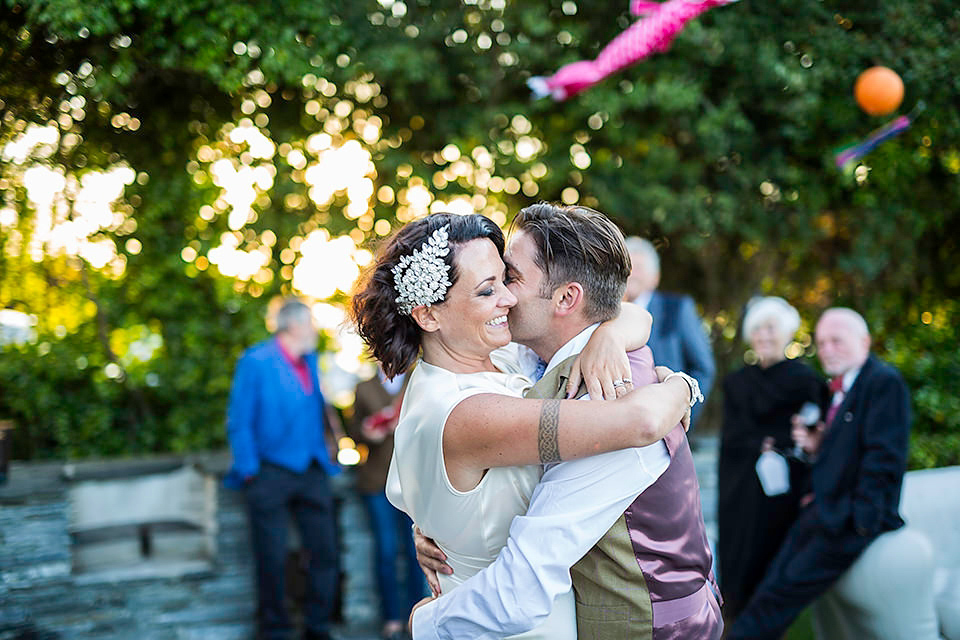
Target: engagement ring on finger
[618,383]
[627,381]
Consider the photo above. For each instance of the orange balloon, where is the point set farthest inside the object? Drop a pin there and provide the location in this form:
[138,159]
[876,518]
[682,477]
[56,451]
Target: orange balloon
[878,91]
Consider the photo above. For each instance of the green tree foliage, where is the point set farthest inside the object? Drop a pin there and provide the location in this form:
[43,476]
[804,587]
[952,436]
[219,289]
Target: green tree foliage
[720,150]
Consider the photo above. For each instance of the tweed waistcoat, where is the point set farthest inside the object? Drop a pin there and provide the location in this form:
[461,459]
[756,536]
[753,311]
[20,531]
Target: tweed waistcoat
[650,575]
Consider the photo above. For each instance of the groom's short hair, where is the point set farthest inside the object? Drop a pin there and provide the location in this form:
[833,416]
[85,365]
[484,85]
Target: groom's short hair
[578,244]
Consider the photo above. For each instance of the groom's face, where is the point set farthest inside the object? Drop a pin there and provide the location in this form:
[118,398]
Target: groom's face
[529,318]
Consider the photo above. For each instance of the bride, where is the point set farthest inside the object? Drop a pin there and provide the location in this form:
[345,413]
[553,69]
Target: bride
[468,446]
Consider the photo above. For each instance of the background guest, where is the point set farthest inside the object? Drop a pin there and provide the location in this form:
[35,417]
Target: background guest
[860,456]
[758,402]
[375,413]
[276,424]
[677,339]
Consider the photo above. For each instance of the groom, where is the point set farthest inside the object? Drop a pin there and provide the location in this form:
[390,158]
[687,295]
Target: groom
[625,527]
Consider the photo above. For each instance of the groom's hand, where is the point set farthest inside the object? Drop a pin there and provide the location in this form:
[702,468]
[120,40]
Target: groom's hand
[662,372]
[432,560]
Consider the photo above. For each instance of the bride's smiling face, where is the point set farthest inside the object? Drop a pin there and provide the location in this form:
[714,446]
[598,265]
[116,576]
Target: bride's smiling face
[473,319]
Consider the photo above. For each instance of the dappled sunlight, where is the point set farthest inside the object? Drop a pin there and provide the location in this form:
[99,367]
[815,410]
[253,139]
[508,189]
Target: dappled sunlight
[460,205]
[333,172]
[340,199]
[326,265]
[233,262]
[259,145]
[344,169]
[333,192]
[135,345]
[35,142]
[343,364]
[239,189]
[345,360]
[328,317]
[17,327]
[69,212]
[417,198]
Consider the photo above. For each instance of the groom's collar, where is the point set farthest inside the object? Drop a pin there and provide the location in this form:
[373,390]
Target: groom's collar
[573,346]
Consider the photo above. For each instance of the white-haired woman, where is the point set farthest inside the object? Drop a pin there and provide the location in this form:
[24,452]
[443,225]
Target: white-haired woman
[759,400]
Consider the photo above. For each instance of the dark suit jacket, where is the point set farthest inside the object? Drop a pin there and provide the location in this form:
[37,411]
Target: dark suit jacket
[859,471]
[678,341]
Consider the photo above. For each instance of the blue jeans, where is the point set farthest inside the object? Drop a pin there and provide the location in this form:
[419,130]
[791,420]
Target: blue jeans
[273,494]
[393,538]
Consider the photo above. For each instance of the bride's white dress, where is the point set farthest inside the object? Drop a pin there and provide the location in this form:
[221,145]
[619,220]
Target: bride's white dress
[470,526]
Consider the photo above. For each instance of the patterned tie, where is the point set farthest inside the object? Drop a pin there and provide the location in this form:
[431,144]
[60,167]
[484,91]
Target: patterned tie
[540,370]
[836,386]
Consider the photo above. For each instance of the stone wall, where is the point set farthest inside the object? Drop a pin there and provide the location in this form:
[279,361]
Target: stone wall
[43,596]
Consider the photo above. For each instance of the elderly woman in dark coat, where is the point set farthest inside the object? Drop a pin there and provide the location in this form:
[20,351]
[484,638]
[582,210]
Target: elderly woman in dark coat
[759,400]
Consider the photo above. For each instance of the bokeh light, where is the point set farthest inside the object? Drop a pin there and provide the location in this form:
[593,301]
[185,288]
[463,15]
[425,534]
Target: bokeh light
[69,212]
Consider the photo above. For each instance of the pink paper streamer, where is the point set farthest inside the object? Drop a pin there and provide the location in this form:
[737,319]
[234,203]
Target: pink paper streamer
[653,34]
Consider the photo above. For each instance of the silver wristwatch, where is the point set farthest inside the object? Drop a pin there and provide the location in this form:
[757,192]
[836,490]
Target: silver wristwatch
[695,395]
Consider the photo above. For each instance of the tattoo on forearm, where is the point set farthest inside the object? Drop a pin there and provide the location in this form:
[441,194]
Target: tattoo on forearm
[549,428]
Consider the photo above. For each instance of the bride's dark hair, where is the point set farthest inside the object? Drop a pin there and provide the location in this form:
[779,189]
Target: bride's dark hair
[392,337]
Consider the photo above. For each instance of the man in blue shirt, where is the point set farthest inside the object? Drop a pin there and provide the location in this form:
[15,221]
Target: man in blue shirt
[275,424]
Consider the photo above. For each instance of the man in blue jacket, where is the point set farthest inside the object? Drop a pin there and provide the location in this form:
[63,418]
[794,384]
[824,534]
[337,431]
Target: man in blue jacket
[275,424]
[677,338]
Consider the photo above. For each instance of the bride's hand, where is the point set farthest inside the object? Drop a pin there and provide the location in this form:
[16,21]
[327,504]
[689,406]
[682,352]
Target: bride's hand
[602,365]
[431,560]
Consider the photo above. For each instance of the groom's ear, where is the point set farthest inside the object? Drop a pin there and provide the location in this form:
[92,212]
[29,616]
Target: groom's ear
[569,298]
[426,318]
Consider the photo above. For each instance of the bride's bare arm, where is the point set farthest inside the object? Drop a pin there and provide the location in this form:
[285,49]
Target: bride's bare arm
[490,430]
[604,359]
[634,323]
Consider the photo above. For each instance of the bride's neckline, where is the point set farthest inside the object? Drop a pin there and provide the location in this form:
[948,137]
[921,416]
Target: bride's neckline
[494,369]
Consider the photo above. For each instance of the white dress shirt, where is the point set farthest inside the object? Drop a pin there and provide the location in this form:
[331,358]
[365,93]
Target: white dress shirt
[572,507]
[848,379]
